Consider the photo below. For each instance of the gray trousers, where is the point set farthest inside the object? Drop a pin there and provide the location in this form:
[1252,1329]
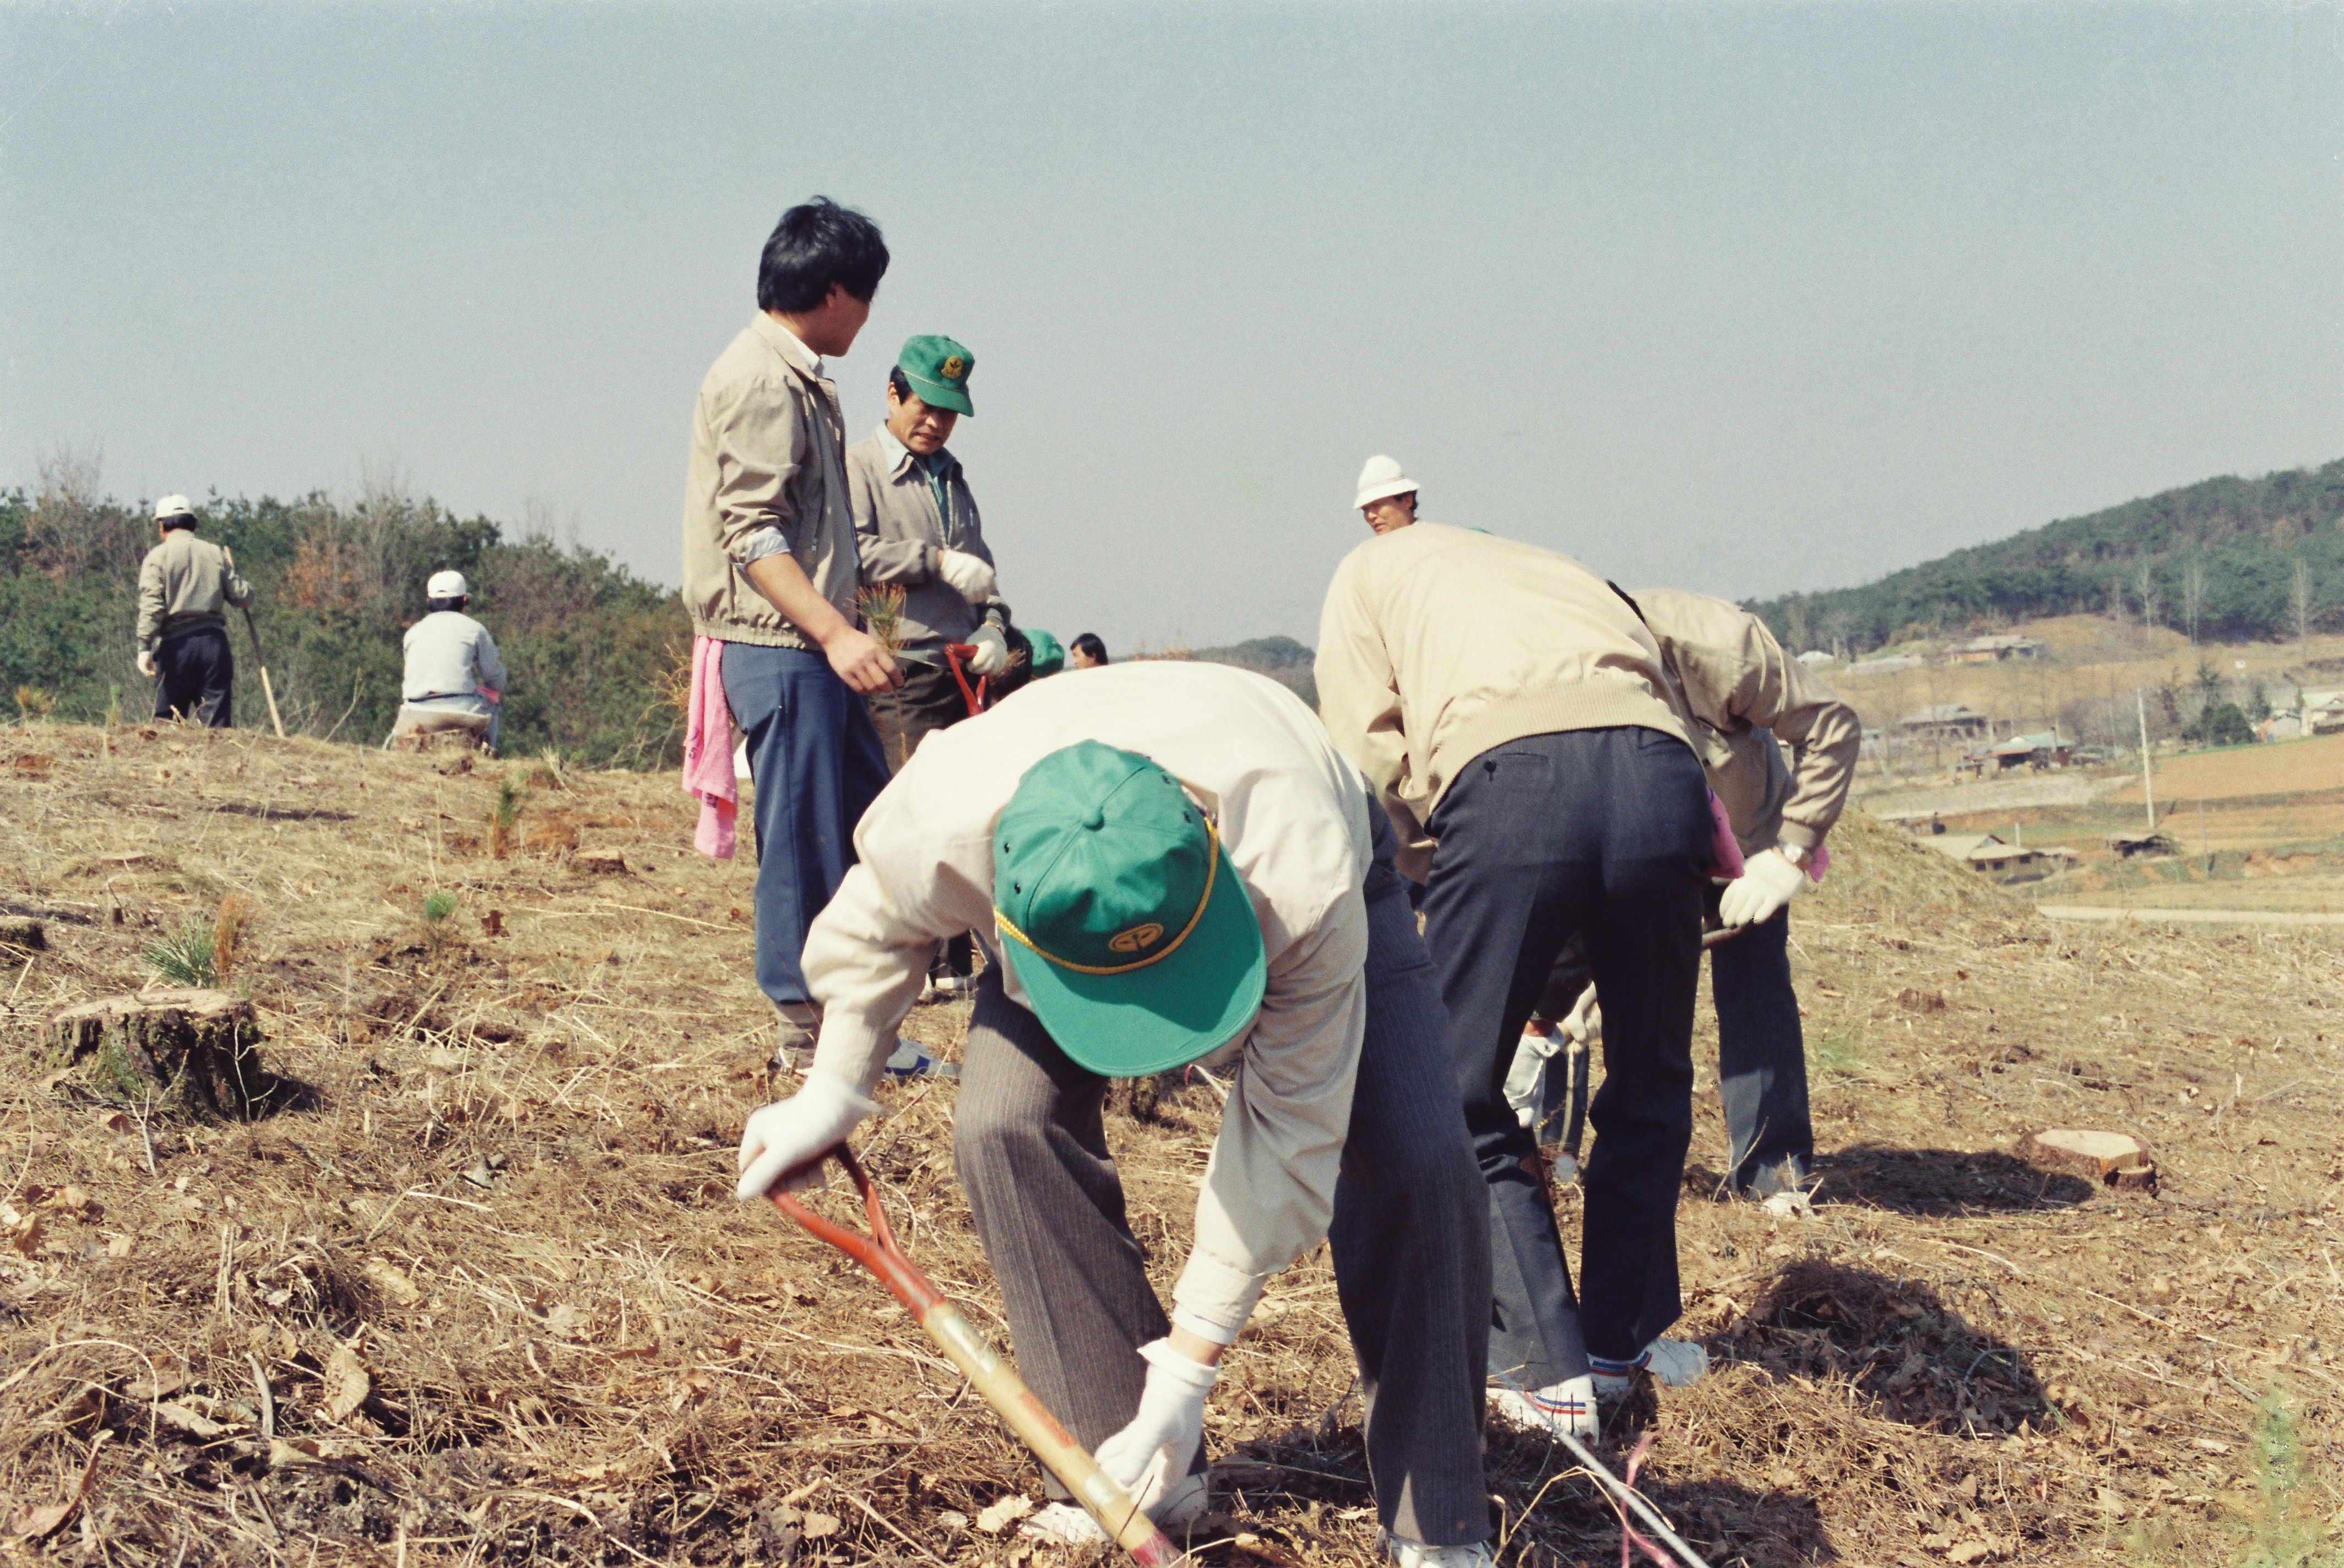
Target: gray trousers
[1410,1236]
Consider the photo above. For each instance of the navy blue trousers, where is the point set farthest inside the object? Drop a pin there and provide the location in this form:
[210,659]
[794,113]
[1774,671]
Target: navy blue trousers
[1762,1058]
[1604,832]
[816,764]
[195,678]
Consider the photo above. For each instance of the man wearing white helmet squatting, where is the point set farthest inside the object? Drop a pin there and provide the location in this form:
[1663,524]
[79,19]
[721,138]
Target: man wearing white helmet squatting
[183,585]
[455,679]
[1168,863]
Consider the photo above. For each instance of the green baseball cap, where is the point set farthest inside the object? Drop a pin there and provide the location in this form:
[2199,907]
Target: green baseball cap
[938,369]
[1045,657]
[1121,915]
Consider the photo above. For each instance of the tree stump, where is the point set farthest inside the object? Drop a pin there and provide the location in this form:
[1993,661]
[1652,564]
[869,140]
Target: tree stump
[2111,1159]
[184,1055]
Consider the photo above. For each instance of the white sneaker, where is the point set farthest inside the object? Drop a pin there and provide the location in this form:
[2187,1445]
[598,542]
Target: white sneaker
[1673,1363]
[1417,1554]
[1565,1406]
[1067,1523]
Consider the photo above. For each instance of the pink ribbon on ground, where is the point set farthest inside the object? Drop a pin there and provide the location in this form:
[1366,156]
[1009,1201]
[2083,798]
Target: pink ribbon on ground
[708,775]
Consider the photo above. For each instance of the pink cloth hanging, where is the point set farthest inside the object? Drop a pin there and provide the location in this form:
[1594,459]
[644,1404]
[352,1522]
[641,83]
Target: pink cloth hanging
[708,775]
[1724,849]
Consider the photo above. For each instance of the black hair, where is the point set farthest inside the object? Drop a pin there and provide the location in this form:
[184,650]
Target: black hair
[179,519]
[815,246]
[1089,647]
[896,379]
[453,602]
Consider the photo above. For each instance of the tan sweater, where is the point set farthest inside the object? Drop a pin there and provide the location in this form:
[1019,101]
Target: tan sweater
[1743,693]
[182,584]
[1437,643]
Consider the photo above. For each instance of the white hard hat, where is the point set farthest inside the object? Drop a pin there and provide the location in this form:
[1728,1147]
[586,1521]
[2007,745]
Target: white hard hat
[447,585]
[1380,478]
[173,506]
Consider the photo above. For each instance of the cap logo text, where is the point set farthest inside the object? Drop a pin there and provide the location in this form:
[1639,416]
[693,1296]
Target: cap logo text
[1137,939]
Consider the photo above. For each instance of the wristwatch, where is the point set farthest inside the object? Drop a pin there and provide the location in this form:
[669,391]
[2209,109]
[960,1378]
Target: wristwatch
[1795,854]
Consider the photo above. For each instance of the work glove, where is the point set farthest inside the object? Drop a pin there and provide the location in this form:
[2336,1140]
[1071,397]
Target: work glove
[992,655]
[792,1133]
[1152,1455]
[970,576]
[146,663]
[1584,1021]
[1767,883]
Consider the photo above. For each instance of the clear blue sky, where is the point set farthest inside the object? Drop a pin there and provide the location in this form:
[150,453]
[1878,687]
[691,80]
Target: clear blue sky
[1742,299]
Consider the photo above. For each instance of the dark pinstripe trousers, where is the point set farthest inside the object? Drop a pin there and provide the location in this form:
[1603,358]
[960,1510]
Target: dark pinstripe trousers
[1411,1232]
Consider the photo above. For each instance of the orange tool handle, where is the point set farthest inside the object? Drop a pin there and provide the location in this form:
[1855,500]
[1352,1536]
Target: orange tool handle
[954,652]
[992,1376]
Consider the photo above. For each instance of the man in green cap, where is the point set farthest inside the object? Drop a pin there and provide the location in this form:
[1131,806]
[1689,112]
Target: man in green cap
[1169,862]
[917,529]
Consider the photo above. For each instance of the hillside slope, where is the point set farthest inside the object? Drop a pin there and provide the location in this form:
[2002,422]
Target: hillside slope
[490,1273]
[2243,538]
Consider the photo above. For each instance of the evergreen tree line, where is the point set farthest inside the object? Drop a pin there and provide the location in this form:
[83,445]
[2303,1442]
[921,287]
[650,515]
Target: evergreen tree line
[2227,560]
[594,650]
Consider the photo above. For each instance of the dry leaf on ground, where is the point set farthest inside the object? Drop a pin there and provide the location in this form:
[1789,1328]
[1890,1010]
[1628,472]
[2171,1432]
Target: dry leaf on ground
[348,1383]
[995,1517]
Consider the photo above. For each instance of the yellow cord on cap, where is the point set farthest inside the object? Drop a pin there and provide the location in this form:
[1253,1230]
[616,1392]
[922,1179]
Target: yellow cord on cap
[1212,869]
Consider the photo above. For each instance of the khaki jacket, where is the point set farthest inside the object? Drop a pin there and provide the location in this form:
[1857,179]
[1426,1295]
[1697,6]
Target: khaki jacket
[1437,643]
[182,586]
[768,474]
[898,534]
[1743,693]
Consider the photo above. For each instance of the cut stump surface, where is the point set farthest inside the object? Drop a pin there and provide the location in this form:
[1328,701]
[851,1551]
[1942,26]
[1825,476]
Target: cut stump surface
[187,1055]
[2111,1159]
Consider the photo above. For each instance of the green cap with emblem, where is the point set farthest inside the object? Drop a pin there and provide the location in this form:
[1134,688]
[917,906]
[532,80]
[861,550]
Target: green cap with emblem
[938,369]
[1120,914]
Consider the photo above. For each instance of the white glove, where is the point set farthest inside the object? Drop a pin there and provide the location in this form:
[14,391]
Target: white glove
[790,1133]
[1584,1021]
[1152,1455]
[969,575]
[146,663]
[992,655]
[1768,880]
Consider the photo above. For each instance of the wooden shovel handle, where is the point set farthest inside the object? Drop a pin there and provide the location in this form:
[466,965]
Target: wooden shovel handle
[987,1370]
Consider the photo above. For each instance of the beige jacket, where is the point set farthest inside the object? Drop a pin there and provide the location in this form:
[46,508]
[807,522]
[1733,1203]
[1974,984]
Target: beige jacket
[1293,816]
[1437,643]
[1743,693]
[768,474]
[899,532]
[182,586]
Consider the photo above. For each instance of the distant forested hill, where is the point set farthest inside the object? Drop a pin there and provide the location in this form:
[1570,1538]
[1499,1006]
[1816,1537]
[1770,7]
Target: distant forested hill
[335,586]
[2248,558]
[1282,659]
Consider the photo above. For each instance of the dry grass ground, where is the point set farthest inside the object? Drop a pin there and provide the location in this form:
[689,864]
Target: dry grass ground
[486,1290]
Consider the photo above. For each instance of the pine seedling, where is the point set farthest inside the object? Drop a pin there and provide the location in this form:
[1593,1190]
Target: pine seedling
[505,819]
[185,959]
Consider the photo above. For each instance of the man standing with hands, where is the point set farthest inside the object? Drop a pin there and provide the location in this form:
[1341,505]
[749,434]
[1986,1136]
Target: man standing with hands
[183,584]
[769,573]
[916,527]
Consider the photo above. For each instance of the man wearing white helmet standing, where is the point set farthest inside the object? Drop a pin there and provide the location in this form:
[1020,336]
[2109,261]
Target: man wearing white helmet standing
[184,584]
[455,678]
[1387,497]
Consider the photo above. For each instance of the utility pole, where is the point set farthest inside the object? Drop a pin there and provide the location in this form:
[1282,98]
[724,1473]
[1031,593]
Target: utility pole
[2147,790]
